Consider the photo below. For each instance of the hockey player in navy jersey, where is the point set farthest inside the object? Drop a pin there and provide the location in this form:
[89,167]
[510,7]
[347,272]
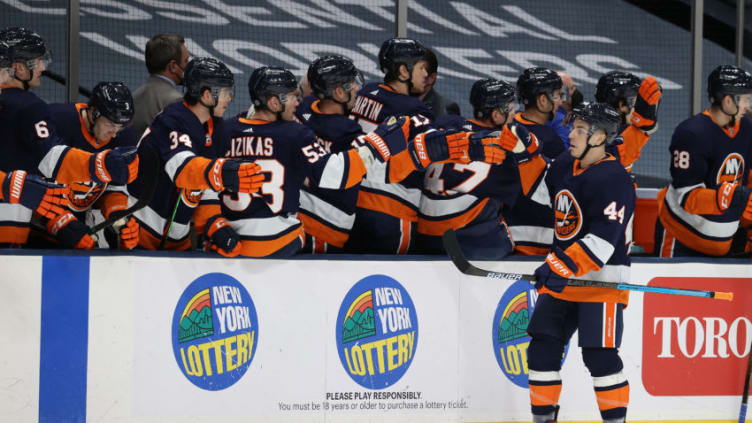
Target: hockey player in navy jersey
[467,197]
[539,92]
[287,152]
[182,136]
[328,215]
[31,143]
[387,213]
[637,102]
[101,124]
[709,199]
[594,200]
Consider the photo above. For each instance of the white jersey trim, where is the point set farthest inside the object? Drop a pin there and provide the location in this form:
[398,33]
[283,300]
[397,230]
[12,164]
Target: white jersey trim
[49,162]
[326,211]
[14,213]
[610,273]
[157,223]
[446,206]
[334,170]
[537,376]
[674,197]
[264,226]
[541,195]
[411,195]
[535,234]
[610,380]
[172,165]
[599,247]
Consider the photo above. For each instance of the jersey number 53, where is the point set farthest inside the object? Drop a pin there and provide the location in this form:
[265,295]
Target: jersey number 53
[271,191]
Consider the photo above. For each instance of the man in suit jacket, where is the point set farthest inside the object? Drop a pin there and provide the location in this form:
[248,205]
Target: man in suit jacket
[166,59]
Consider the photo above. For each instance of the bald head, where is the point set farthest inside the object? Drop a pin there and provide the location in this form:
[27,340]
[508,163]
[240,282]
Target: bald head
[567,84]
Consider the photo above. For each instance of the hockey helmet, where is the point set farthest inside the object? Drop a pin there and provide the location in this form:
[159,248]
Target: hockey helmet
[268,82]
[536,81]
[599,116]
[329,72]
[112,100]
[617,85]
[489,94]
[728,80]
[25,46]
[204,73]
[395,52]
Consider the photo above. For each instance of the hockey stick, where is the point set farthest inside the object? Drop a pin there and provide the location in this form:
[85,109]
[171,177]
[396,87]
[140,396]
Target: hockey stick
[453,249]
[149,170]
[60,79]
[163,241]
[745,394]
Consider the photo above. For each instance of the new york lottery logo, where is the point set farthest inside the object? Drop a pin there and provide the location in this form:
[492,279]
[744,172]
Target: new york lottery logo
[214,331]
[377,332]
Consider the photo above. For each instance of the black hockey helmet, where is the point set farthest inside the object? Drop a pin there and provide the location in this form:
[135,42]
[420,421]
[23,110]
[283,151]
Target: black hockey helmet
[728,80]
[204,73]
[536,81]
[395,52]
[25,46]
[329,72]
[489,94]
[617,85]
[112,100]
[599,116]
[268,82]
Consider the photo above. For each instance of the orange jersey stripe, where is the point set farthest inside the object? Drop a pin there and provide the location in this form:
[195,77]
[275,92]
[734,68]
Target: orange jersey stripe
[541,395]
[686,236]
[702,201]
[530,171]
[322,232]
[613,398]
[438,227]
[14,234]
[581,258]
[112,201]
[75,167]
[357,168]
[584,294]
[191,176]
[202,214]
[529,250]
[386,205]
[609,330]
[249,248]
[400,166]
[631,148]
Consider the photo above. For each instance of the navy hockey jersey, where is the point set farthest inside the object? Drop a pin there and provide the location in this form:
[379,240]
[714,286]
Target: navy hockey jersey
[454,194]
[529,221]
[30,142]
[178,138]
[592,223]
[303,111]
[703,156]
[71,128]
[287,153]
[328,215]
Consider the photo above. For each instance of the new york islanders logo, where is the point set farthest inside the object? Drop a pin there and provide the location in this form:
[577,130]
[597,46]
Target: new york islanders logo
[509,331]
[567,215]
[83,194]
[214,331]
[731,170]
[377,332]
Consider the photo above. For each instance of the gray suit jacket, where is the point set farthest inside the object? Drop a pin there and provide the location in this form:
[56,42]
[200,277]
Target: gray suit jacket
[149,99]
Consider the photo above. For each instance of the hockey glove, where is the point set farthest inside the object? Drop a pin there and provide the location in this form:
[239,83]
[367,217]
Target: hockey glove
[71,232]
[234,176]
[553,274]
[34,193]
[129,234]
[486,147]
[222,238]
[377,140]
[518,140]
[119,166]
[435,146]
[645,114]
[732,195]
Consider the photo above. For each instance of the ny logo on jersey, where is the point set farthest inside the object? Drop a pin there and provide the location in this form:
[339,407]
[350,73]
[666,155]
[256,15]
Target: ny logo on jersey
[567,215]
[731,170]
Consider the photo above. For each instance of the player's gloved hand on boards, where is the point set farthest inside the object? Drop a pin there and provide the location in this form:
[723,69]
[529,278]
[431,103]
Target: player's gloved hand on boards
[127,230]
[434,146]
[118,166]
[234,176]
[486,147]
[645,114]
[222,238]
[517,139]
[71,232]
[129,234]
[553,274]
[34,193]
[377,141]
